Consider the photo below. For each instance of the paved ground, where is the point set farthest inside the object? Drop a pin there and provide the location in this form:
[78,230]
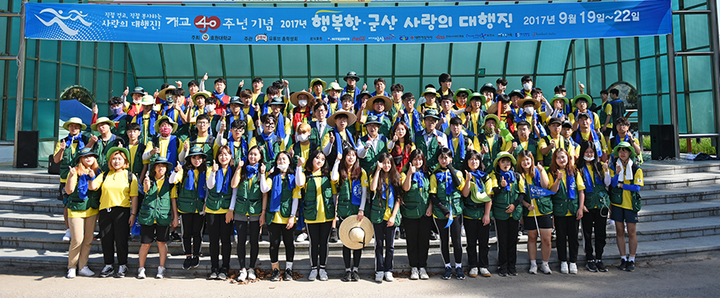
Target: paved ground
[687,277]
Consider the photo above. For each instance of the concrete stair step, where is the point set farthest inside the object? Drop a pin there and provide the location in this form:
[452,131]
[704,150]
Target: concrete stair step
[31,204]
[673,229]
[682,180]
[653,168]
[30,189]
[36,175]
[692,209]
[679,195]
[57,260]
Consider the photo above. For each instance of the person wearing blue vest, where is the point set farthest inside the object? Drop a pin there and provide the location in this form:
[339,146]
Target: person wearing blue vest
[537,211]
[350,182]
[476,215]
[568,208]
[384,215]
[190,185]
[582,102]
[416,211]
[158,213]
[218,218]
[164,144]
[237,141]
[507,190]
[446,184]
[626,202]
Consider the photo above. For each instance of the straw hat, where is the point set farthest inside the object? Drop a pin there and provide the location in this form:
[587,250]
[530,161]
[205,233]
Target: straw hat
[296,102]
[203,93]
[430,90]
[387,101]
[170,120]
[102,120]
[147,100]
[163,93]
[536,103]
[355,234]
[74,120]
[351,118]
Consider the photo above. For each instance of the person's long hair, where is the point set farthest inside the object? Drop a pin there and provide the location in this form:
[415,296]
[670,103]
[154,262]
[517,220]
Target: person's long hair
[393,176]
[554,167]
[243,171]
[353,171]
[581,163]
[407,143]
[309,164]
[417,153]
[470,155]
[519,168]
[276,171]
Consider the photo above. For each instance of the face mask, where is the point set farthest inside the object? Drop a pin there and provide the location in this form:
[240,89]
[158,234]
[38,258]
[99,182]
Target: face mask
[302,102]
[302,138]
[529,110]
[527,86]
[165,130]
[209,108]
[282,167]
[137,101]
[117,110]
[588,158]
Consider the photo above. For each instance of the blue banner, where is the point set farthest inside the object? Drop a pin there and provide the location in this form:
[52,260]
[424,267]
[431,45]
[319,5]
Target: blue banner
[346,25]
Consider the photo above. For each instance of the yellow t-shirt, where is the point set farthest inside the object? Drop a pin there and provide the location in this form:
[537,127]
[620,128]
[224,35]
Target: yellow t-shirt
[81,214]
[115,189]
[627,195]
[578,182]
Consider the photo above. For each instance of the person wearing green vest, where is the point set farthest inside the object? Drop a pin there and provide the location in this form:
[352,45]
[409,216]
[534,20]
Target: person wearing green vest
[237,141]
[491,143]
[350,182]
[458,142]
[189,183]
[625,185]
[523,141]
[136,150]
[203,140]
[158,213]
[372,145]
[248,210]
[146,119]
[507,190]
[318,211]
[416,212]
[568,206]
[105,141]
[82,205]
[597,204]
[431,140]
[380,107]
[218,218]
[384,215]
[537,214]
[270,142]
[476,215]
[446,184]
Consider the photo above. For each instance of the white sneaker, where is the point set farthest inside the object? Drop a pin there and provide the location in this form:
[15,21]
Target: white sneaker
[313,275]
[66,237]
[85,271]
[485,272]
[379,276]
[141,273]
[423,273]
[161,273]
[302,237]
[414,274]
[473,272]
[389,276]
[70,273]
[545,268]
[242,275]
[533,269]
[573,268]
[564,268]
[323,275]
[251,274]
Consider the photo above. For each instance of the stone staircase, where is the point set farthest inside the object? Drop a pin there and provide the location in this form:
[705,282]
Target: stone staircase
[681,204]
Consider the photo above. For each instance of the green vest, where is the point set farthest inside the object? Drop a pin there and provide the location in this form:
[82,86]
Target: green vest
[616,194]
[547,159]
[415,200]
[599,197]
[156,206]
[259,141]
[453,201]
[137,166]
[207,148]
[371,158]
[489,157]
[68,159]
[562,204]
[102,149]
[532,146]
[75,203]
[249,197]
[286,198]
[544,204]
[431,150]
[378,206]
[345,206]
[219,200]
[473,210]
[189,201]
[386,126]
[316,136]
[310,199]
[502,199]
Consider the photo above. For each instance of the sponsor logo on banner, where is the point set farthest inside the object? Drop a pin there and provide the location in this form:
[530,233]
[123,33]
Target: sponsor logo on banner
[204,23]
[261,37]
[59,19]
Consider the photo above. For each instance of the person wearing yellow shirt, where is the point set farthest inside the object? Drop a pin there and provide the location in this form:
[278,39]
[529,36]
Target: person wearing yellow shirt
[587,133]
[203,140]
[164,143]
[626,203]
[318,211]
[597,205]
[118,207]
[82,205]
[430,95]
[446,184]
[553,141]
[582,102]
[490,142]
[568,206]
[507,190]
[189,181]
[476,215]
[281,213]
[304,144]
[218,218]
[248,209]
[384,214]
[531,113]
[445,80]
[537,211]
[158,213]
[146,119]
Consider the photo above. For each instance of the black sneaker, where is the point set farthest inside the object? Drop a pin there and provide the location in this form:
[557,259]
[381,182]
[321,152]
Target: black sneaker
[502,272]
[355,276]
[434,236]
[107,271]
[591,266]
[347,277]
[334,236]
[600,266]
[512,271]
[288,274]
[448,273]
[195,262]
[459,274]
[122,271]
[630,266]
[623,265]
[186,263]
[275,275]
[175,236]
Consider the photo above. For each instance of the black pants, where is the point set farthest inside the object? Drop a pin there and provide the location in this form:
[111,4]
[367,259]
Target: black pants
[278,232]
[220,232]
[566,230]
[350,261]
[477,235]
[319,234]
[192,224]
[593,220]
[115,230]
[507,238]
[384,240]
[417,235]
[245,229]
[454,231]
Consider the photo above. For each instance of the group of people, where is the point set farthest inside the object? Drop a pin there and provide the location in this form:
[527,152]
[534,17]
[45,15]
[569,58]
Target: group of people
[307,161]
